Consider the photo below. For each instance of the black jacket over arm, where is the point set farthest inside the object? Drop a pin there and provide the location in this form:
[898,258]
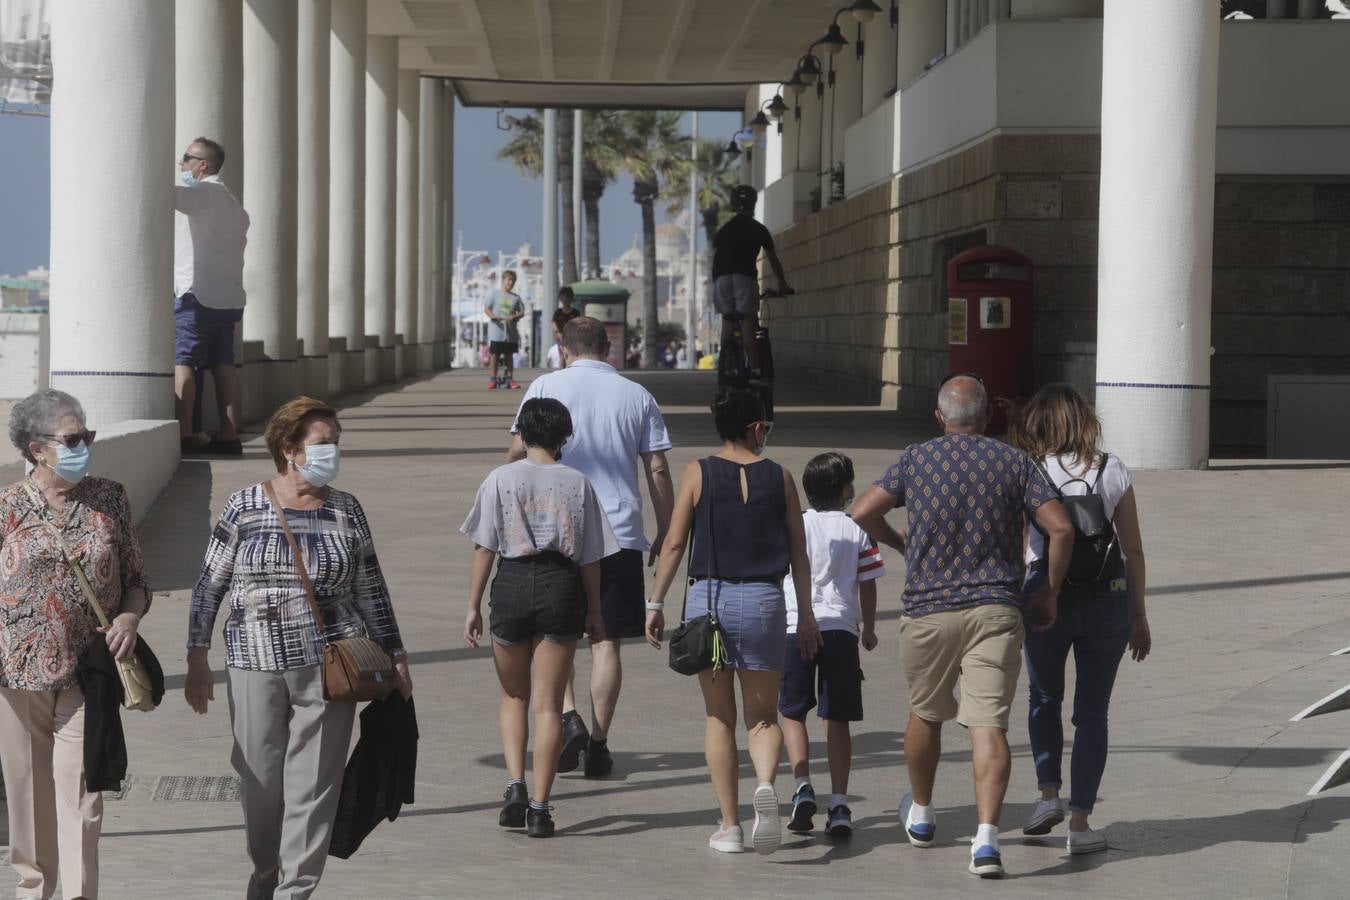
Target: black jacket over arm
[105,747]
[380,774]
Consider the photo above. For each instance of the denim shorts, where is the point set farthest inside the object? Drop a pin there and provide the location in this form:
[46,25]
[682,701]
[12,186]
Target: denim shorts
[536,596]
[202,335]
[753,616]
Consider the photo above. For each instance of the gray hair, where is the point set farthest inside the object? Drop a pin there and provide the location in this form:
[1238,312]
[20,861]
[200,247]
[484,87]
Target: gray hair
[963,402]
[37,414]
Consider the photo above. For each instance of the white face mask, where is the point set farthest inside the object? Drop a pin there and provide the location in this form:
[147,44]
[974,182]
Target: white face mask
[322,462]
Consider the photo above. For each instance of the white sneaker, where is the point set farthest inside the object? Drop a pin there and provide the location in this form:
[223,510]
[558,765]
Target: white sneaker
[1086,842]
[1046,815]
[767,832]
[920,835]
[728,840]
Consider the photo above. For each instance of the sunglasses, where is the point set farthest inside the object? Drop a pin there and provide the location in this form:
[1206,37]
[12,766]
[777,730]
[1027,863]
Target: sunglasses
[961,375]
[188,157]
[72,441]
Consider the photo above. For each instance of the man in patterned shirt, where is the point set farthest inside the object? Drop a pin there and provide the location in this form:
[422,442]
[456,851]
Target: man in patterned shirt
[966,498]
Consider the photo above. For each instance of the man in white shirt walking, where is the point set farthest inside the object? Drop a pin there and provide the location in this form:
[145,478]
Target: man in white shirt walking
[615,423]
[210,229]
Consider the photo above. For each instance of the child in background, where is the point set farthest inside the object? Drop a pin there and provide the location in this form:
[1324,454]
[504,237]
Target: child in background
[845,564]
[545,522]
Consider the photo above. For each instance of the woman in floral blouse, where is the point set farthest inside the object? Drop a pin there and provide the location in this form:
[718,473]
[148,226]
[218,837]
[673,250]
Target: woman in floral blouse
[290,745]
[46,624]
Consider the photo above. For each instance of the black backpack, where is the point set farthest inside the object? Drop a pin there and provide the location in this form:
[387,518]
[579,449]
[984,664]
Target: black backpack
[1096,549]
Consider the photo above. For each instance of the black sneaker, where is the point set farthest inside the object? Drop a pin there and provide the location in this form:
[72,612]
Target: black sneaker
[539,822]
[803,808]
[517,800]
[599,761]
[575,739]
[840,823]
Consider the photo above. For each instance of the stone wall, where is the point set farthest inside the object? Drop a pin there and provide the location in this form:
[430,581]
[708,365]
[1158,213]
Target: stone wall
[870,315]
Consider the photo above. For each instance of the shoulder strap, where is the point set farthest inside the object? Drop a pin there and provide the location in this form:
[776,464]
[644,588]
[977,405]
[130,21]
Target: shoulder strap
[1045,473]
[296,555]
[1100,472]
[85,586]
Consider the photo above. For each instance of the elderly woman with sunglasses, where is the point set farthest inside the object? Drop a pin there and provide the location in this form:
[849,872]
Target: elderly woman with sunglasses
[46,624]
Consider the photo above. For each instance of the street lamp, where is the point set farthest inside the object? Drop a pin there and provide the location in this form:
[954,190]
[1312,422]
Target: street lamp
[778,108]
[834,39]
[746,138]
[732,149]
[760,123]
[808,69]
[863,11]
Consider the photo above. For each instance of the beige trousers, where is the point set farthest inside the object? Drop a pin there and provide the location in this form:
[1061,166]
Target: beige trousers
[290,750]
[54,822]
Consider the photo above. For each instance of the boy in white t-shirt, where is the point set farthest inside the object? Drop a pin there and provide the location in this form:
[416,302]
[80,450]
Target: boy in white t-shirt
[845,564]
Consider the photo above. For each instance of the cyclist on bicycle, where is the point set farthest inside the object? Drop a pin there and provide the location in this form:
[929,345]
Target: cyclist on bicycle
[735,272]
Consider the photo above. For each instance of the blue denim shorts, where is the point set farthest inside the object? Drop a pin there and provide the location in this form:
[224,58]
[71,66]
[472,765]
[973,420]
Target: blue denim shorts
[203,336]
[752,614]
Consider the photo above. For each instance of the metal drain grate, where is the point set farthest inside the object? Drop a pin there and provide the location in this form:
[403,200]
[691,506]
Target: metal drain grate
[198,788]
[120,793]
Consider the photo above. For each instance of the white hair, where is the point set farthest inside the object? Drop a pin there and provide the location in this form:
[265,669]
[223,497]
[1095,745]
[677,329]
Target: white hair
[38,414]
[963,402]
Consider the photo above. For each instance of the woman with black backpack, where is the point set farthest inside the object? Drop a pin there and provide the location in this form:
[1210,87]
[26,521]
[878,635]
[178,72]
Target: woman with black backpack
[1101,608]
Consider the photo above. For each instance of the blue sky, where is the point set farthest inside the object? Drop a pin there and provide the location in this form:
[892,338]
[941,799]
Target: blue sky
[495,207]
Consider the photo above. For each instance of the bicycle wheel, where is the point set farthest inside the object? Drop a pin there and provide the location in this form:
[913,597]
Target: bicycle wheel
[731,369]
[765,353]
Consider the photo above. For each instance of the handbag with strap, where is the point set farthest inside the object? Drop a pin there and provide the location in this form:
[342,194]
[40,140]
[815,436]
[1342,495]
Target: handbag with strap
[138,691]
[700,643]
[354,668]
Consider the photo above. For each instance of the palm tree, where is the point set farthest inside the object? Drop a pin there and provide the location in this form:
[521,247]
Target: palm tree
[525,150]
[717,175]
[604,139]
[653,152]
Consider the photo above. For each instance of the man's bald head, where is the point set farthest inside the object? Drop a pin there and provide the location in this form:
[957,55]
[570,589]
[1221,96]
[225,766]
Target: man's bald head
[963,405]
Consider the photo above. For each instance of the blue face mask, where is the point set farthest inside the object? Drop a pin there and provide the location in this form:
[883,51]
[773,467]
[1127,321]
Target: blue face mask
[189,179]
[72,465]
[321,464]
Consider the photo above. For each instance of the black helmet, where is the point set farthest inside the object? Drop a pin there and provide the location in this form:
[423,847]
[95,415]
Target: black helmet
[743,198]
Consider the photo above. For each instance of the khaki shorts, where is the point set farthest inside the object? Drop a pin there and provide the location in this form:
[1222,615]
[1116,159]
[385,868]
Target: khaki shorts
[980,646]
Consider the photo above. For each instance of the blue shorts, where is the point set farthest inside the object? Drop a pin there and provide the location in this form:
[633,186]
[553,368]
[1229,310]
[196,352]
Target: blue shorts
[753,617]
[835,674]
[203,336]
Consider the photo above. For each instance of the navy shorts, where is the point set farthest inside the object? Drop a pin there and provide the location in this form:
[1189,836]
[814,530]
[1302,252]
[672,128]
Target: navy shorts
[835,674]
[503,348]
[623,605]
[203,336]
[536,596]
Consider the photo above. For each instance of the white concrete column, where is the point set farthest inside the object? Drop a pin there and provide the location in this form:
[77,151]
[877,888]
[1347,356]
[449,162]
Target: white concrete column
[381,142]
[847,98]
[1155,257]
[791,133]
[1277,9]
[922,36]
[1308,9]
[430,110]
[878,63]
[270,198]
[808,148]
[311,191]
[578,165]
[447,226]
[770,164]
[346,190]
[953,25]
[112,237]
[967,20]
[406,213]
[209,80]
[549,302]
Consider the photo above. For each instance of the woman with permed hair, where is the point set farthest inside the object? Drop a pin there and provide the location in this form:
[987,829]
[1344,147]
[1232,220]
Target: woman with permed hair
[745,519]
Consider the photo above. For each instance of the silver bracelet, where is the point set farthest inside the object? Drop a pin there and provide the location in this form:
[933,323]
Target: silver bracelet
[655,607]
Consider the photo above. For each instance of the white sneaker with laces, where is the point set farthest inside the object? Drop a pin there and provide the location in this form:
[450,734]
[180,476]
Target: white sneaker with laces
[767,832]
[1089,841]
[728,840]
[1046,815]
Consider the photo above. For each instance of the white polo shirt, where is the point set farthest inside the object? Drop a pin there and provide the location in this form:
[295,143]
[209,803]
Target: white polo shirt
[210,229]
[613,420]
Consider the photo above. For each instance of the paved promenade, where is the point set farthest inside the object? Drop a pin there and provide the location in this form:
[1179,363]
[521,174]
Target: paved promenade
[1203,794]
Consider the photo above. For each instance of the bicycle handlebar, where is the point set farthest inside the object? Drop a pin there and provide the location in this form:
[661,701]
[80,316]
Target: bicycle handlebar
[785,292]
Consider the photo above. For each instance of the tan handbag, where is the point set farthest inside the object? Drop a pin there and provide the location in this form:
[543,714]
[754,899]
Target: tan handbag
[137,692]
[355,668]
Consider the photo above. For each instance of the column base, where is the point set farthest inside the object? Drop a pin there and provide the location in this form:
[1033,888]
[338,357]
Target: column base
[1155,426]
[379,365]
[314,377]
[426,357]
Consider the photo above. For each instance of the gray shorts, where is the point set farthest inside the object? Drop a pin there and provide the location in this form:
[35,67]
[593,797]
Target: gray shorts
[736,294]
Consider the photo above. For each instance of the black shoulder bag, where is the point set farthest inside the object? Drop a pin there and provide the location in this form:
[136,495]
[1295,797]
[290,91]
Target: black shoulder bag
[1096,549]
[700,644]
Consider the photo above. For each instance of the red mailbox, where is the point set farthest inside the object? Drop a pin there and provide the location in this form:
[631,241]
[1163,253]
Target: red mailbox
[989,318]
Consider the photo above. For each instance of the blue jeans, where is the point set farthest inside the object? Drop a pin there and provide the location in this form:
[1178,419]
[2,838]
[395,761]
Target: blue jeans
[1095,625]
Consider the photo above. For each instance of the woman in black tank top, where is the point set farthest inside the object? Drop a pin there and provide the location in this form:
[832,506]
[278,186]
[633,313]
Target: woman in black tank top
[746,522]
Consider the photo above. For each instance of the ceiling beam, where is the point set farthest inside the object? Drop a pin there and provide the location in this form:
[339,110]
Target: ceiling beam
[543,20]
[683,15]
[480,38]
[746,29]
[610,45]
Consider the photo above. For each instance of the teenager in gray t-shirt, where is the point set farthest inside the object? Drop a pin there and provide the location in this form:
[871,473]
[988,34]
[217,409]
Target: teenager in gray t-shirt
[546,524]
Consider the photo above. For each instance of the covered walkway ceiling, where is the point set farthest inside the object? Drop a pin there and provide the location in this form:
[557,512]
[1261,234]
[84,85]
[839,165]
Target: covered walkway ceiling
[679,54]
